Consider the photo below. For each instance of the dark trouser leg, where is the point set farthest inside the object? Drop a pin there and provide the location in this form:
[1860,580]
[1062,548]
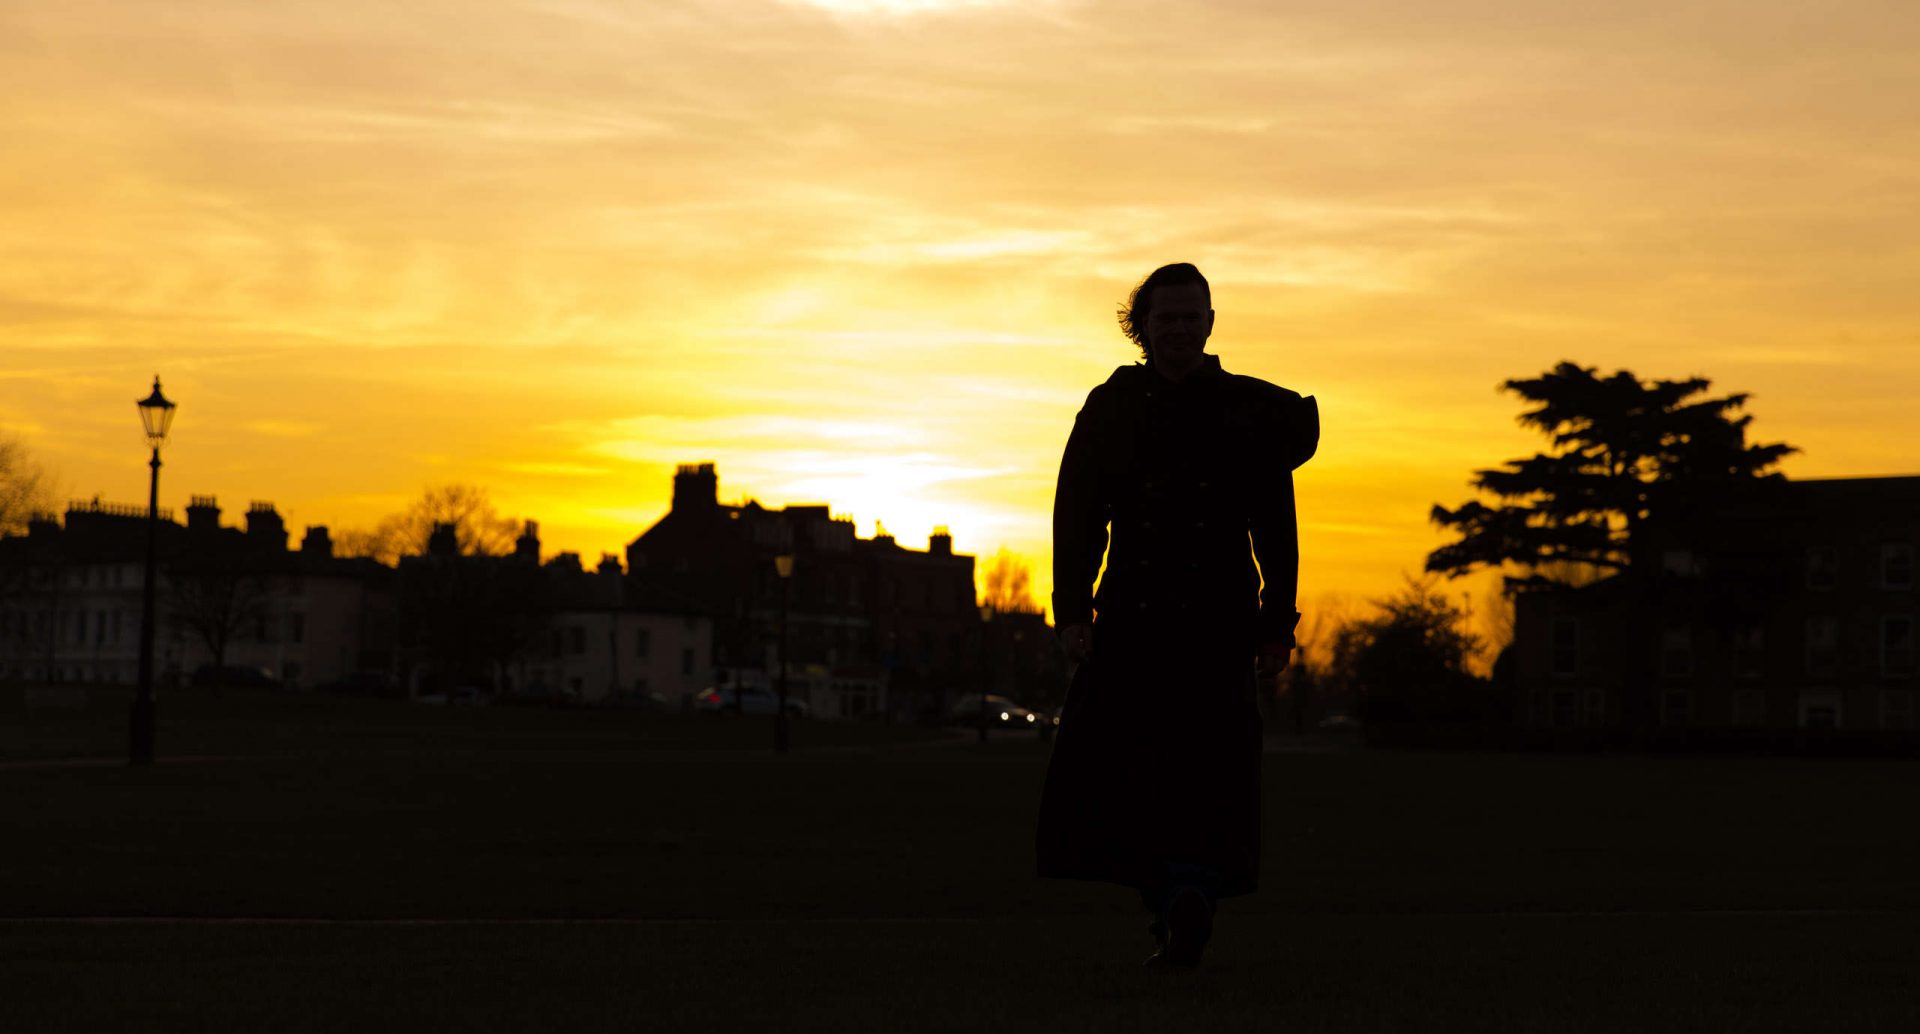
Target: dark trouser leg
[1175,876]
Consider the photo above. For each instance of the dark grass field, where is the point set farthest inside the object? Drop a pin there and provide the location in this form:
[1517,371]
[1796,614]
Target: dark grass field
[411,868]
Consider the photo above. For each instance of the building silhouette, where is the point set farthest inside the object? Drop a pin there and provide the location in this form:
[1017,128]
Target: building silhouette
[874,628]
[70,598]
[1799,613]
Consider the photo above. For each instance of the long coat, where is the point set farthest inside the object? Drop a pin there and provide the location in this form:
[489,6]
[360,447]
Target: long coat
[1158,756]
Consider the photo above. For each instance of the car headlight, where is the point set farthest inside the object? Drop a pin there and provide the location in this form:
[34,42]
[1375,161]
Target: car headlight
[1029,717]
[1003,716]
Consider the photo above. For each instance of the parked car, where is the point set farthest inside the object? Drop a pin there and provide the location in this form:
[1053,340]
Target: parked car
[1002,713]
[1338,722]
[748,700]
[365,684]
[233,676]
[466,696]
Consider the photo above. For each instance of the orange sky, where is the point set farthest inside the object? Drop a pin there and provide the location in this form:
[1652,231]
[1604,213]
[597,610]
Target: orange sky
[868,253]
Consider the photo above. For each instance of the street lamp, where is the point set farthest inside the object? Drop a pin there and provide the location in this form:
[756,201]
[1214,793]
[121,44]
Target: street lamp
[986,666]
[783,564]
[156,415]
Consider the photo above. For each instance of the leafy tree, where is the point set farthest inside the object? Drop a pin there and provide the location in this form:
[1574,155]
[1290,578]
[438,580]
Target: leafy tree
[479,528]
[1628,457]
[1409,661]
[1008,584]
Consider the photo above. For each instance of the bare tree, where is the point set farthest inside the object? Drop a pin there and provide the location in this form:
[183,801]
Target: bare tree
[1007,584]
[26,488]
[215,596]
[479,528]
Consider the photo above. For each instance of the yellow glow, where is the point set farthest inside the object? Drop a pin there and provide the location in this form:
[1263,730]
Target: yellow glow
[866,253]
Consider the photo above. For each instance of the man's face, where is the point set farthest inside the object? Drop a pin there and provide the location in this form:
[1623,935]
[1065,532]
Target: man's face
[1178,326]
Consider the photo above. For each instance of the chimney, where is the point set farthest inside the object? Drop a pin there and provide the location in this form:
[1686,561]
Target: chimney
[568,563]
[526,548]
[203,514]
[696,488]
[443,541]
[610,564]
[43,526]
[940,543]
[318,541]
[264,526]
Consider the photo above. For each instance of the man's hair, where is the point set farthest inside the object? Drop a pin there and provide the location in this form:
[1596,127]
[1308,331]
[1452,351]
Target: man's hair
[1139,308]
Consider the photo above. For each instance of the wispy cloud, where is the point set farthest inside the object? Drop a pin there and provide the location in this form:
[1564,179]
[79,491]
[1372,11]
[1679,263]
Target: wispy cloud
[869,251]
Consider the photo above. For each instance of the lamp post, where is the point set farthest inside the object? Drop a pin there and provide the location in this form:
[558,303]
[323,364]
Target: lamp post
[783,564]
[986,666]
[156,416]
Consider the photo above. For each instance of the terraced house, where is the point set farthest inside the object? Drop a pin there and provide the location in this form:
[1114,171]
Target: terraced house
[70,598]
[1799,613]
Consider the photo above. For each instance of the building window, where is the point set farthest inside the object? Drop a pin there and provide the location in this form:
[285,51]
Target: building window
[1676,707]
[1596,714]
[576,639]
[1750,651]
[643,642]
[1823,644]
[1820,710]
[640,686]
[1680,562]
[1823,567]
[1896,645]
[1564,703]
[1676,651]
[686,661]
[1896,565]
[1896,709]
[296,628]
[1749,707]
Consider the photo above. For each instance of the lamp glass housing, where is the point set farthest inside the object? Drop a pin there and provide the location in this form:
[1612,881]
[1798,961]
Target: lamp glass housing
[156,415]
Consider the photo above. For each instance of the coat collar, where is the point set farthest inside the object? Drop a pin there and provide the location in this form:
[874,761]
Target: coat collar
[1208,371]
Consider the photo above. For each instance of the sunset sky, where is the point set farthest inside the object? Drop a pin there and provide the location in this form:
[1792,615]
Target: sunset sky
[868,253]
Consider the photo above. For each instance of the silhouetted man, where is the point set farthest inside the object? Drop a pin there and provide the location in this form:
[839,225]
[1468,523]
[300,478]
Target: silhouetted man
[1155,777]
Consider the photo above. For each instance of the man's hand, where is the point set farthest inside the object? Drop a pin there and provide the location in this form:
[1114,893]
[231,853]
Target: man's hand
[1272,659]
[1077,640]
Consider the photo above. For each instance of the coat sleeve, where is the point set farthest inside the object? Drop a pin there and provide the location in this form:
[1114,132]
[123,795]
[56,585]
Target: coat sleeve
[1081,512]
[1275,527]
